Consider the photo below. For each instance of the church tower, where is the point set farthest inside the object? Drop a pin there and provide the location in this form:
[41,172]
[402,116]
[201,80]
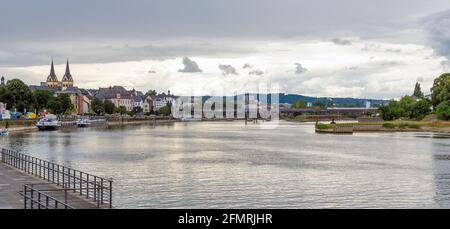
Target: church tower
[67,80]
[52,80]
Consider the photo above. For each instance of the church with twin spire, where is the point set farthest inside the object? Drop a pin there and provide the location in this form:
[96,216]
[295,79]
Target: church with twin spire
[53,82]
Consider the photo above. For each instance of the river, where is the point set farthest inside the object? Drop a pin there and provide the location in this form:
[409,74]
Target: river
[230,165]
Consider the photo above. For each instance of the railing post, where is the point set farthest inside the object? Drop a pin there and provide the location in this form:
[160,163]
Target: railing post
[25,197]
[65,196]
[101,191]
[57,172]
[39,200]
[95,188]
[32,198]
[87,186]
[110,193]
[46,170]
[81,183]
[63,177]
[53,173]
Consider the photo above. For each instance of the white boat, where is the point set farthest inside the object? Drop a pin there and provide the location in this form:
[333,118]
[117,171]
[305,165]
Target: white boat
[48,123]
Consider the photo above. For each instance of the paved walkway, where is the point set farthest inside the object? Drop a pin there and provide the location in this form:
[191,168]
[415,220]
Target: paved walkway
[12,181]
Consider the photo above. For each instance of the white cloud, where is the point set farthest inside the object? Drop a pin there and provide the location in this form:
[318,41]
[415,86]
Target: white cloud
[333,70]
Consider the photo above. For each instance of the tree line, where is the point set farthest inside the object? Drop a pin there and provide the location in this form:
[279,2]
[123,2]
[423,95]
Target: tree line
[417,106]
[18,97]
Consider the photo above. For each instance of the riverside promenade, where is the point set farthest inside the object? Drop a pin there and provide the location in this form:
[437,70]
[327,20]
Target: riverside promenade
[28,182]
[12,182]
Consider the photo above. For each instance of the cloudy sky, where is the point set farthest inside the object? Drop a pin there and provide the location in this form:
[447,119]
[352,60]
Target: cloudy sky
[346,48]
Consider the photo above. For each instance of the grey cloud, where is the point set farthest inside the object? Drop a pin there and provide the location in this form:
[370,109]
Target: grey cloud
[299,69]
[420,79]
[247,66]
[28,54]
[33,38]
[438,28]
[228,69]
[233,18]
[256,72]
[151,72]
[339,41]
[190,66]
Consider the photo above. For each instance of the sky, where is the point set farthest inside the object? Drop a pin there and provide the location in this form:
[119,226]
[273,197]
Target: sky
[346,48]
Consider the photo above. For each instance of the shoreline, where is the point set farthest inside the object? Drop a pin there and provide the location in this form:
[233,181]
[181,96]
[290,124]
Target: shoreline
[22,129]
[380,127]
[138,122]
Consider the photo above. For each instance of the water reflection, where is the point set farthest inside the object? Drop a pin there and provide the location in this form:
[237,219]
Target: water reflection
[230,165]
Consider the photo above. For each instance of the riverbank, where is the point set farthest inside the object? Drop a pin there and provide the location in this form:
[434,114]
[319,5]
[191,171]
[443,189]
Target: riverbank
[18,126]
[138,122]
[388,126]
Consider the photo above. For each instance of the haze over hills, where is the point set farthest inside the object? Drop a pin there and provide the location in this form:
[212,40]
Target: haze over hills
[328,101]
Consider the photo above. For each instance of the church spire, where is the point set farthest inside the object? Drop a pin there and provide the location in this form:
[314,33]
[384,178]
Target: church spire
[52,70]
[67,69]
[67,80]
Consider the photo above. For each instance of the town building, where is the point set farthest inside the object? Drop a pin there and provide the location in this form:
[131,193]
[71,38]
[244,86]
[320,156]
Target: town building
[148,105]
[80,99]
[118,95]
[162,100]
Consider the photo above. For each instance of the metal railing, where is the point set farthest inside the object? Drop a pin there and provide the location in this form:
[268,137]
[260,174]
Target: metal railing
[39,199]
[93,187]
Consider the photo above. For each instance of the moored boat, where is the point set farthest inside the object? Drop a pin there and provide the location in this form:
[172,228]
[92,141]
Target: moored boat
[48,123]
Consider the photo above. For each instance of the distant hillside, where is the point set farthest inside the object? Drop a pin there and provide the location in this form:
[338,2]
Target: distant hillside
[340,102]
[328,101]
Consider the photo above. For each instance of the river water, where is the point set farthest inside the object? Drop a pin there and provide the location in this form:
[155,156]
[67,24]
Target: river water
[230,165]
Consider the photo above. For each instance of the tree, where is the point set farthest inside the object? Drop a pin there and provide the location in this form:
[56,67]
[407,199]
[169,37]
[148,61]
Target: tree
[443,110]
[136,110]
[61,105]
[109,107]
[418,91]
[5,95]
[97,106]
[420,109]
[166,111]
[299,104]
[42,97]
[20,96]
[151,93]
[440,92]
[391,111]
[407,107]
[121,110]
[66,104]
[54,105]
